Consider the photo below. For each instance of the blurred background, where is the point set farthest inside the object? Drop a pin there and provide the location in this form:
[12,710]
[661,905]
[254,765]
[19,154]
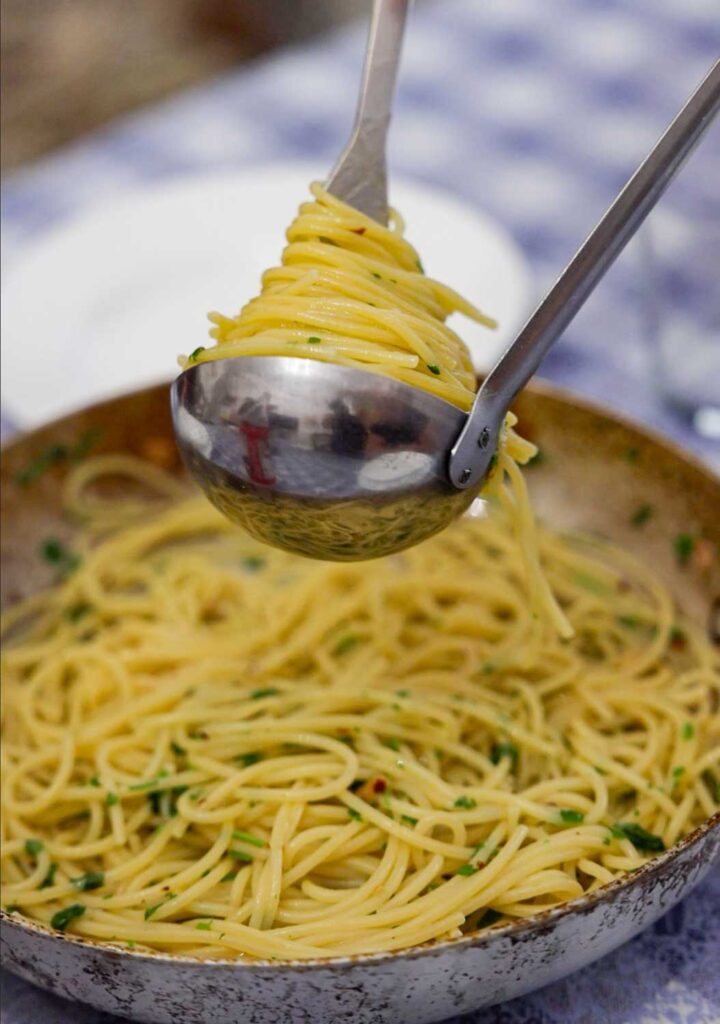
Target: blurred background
[70,66]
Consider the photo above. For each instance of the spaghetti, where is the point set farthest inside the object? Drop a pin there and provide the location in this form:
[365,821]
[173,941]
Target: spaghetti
[218,749]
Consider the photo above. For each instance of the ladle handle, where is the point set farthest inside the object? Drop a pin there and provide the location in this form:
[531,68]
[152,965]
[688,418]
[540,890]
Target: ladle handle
[360,175]
[471,455]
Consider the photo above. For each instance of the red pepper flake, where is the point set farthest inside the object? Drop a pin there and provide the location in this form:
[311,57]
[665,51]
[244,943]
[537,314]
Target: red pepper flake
[379,785]
[358,231]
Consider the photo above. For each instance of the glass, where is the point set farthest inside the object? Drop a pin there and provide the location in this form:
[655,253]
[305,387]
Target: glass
[682,243]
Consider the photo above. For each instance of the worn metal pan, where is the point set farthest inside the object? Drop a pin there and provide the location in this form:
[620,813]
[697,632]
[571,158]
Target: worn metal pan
[597,470]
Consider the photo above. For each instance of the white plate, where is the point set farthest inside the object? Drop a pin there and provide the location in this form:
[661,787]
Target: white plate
[105,302]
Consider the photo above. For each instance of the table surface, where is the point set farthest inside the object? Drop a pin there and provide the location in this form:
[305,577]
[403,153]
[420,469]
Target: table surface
[536,112]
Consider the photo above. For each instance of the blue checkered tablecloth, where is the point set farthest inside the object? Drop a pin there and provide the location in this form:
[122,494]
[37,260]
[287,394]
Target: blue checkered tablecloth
[537,111]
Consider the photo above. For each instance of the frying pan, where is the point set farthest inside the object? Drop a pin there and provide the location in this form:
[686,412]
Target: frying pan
[597,470]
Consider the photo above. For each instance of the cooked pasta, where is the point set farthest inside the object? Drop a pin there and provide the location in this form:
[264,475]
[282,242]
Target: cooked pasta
[217,749]
[352,291]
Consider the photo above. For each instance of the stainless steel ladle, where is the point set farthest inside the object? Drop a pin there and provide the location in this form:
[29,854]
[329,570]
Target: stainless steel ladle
[339,463]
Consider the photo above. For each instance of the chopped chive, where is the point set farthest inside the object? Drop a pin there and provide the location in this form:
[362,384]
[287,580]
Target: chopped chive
[63,917]
[489,918]
[34,846]
[589,583]
[314,340]
[501,750]
[638,836]
[466,869]
[355,815]
[252,757]
[631,621]
[55,553]
[641,515]
[77,611]
[247,837]
[688,731]
[253,563]
[571,817]
[433,368]
[270,691]
[148,784]
[465,802]
[90,880]
[195,353]
[683,545]
[49,877]
[240,855]
[345,644]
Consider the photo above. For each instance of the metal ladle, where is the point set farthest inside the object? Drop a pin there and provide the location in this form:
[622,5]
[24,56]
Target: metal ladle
[338,463]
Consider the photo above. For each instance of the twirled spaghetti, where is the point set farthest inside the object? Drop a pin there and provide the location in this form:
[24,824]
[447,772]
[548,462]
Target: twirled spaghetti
[352,291]
[218,749]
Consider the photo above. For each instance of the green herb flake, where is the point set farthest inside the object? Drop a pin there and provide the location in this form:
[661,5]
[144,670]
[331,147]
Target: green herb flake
[571,817]
[34,846]
[55,553]
[687,731]
[204,926]
[489,918]
[177,749]
[63,917]
[345,644]
[629,621]
[247,837]
[229,877]
[403,693]
[240,855]
[90,880]
[683,545]
[599,770]
[252,563]
[466,869]
[270,691]
[77,611]
[252,757]
[355,815]
[49,878]
[589,583]
[111,799]
[641,515]
[314,340]
[139,787]
[149,911]
[638,836]
[678,770]
[465,802]
[393,743]
[501,750]
[195,353]
[407,820]
[434,368]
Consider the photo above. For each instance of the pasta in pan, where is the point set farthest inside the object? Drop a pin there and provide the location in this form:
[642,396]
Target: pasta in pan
[222,750]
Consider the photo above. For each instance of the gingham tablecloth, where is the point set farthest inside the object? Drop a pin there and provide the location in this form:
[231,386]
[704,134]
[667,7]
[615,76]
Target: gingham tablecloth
[537,111]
